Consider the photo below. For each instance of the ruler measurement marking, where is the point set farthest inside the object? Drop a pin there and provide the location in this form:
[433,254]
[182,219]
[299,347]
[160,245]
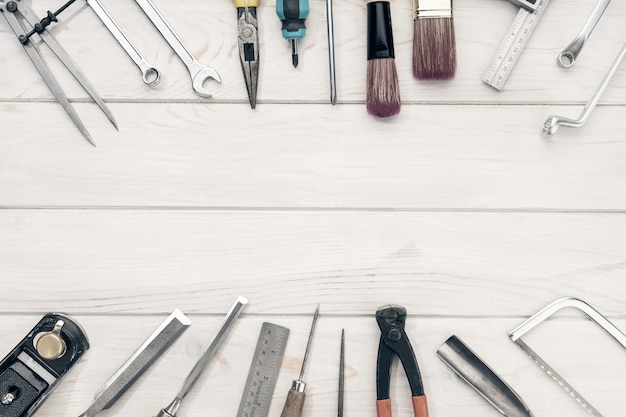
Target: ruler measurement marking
[264,369]
[512,45]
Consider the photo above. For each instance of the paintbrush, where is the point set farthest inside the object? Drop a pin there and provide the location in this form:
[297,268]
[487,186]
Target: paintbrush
[434,41]
[383,92]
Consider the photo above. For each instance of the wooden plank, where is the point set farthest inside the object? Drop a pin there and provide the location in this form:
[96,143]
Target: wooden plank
[114,338]
[440,264]
[208,29]
[190,155]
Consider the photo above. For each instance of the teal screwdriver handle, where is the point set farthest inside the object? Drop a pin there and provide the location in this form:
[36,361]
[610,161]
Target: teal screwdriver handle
[293,13]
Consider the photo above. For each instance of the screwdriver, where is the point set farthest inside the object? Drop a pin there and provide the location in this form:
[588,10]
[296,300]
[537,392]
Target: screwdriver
[293,13]
[295,397]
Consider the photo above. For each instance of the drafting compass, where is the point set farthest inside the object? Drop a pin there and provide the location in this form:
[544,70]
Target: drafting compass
[25,24]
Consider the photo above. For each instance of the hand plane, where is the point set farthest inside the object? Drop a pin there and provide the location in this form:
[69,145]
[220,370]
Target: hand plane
[38,363]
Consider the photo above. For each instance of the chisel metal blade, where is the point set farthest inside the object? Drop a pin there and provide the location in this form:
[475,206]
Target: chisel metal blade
[139,361]
[479,376]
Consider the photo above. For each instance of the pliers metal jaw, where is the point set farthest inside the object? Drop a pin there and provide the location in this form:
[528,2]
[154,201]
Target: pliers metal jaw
[248,35]
[394,341]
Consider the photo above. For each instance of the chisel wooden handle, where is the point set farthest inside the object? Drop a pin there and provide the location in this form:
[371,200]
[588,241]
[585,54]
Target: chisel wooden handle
[293,404]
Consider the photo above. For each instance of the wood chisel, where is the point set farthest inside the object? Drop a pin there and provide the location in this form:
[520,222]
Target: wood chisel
[471,369]
[138,362]
[205,358]
[295,397]
[513,44]
[263,374]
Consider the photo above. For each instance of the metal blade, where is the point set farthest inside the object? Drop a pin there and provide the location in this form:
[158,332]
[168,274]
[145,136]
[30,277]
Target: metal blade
[46,75]
[558,378]
[139,361]
[67,60]
[203,361]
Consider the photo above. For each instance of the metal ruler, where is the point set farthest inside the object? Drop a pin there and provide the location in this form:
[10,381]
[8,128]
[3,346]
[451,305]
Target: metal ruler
[513,44]
[268,355]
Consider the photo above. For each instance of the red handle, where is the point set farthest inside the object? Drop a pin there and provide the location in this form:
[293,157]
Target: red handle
[420,406]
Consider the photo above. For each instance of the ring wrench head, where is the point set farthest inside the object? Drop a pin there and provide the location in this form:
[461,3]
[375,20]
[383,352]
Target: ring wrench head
[201,77]
[568,56]
[151,76]
[550,126]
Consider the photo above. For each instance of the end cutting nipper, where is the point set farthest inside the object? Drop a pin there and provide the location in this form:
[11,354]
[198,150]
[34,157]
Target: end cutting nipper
[248,35]
[394,341]
[22,19]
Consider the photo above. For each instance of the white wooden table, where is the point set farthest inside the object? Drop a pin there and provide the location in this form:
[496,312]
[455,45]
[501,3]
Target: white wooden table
[456,209]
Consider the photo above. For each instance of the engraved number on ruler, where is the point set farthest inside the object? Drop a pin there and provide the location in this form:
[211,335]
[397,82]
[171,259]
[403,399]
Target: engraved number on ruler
[512,46]
[268,356]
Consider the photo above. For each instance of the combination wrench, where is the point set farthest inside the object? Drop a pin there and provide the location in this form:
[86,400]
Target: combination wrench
[568,56]
[199,73]
[552,124]
[150,75]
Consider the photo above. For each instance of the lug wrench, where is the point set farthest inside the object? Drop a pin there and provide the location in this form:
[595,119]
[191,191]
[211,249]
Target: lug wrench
[552,124]
[199,73]
[568,56]
[150,75]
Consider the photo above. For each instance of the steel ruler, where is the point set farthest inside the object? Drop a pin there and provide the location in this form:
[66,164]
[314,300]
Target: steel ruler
[513,44]
[268,356]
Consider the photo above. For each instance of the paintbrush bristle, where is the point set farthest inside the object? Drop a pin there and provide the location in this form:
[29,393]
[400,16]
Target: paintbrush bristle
[434,49]
[383,90]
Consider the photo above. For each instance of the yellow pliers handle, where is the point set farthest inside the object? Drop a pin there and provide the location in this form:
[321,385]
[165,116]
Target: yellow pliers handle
[242,3]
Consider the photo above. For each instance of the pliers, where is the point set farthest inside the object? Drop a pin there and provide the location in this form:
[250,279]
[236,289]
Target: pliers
[248,34]
[394,341]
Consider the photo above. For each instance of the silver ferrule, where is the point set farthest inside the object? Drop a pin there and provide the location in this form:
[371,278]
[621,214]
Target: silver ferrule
[432,9]
[298,385]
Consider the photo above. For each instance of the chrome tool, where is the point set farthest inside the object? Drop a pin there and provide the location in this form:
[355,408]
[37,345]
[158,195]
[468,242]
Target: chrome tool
[568,56]
[482,378]
[552,123]
[248,42]
[331,51]
[295,398]
[203,360]
[264,369]
[548,311]
[24,23]
[395,342]
[38,363]
[342,375]
[513,44]
[139,361]
[150,75]
[198,72]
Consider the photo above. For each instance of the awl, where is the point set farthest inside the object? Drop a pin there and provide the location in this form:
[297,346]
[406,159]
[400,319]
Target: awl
[295,398]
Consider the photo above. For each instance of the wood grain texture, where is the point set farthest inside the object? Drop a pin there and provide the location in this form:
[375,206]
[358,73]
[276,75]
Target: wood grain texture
[145,262]
[456,209]
[196,155]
